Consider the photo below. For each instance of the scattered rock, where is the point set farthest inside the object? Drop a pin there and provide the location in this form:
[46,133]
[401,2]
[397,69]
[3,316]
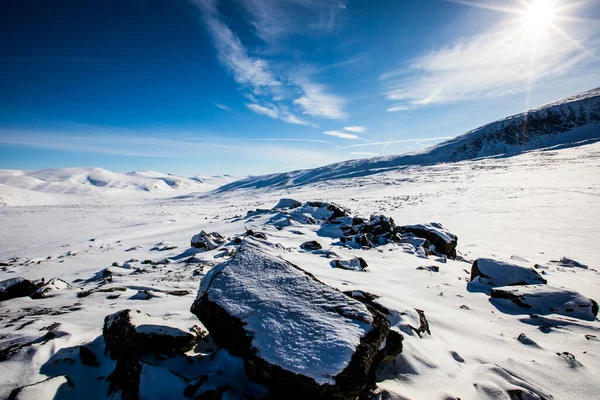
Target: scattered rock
[424,325]
[306,312]
[16,287]
[312,245]
[570,263]
[526,341]
[544,299]
[207,241]
[287,204]
[441,239]
[129,334]
[142,295]
[499,273]
[50,289]
[570,359]
[430,268]
[355,264]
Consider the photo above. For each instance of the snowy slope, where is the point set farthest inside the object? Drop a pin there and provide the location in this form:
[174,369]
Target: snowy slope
[573,119]
[70,185]
[534,208]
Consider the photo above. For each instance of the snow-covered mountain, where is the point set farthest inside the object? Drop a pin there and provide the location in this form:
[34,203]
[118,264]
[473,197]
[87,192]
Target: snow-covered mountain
[570,120]
[53,186]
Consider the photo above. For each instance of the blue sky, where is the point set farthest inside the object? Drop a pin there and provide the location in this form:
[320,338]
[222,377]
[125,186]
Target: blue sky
[255,86]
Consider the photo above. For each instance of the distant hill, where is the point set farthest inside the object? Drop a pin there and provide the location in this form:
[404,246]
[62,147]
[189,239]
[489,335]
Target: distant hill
[66,185]
[573,119]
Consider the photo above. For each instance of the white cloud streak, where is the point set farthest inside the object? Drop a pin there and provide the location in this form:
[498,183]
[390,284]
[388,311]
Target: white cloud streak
[356,129]
[269,112]
[223,107]
[342,135]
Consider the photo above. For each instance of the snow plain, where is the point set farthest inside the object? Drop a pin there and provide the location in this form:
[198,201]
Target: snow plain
[534,208]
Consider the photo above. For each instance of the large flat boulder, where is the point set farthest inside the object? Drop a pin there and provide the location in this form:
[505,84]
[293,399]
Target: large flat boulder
[16,287]
[443,240]
[499,273]
[544,299]
[295,334]
[129,334]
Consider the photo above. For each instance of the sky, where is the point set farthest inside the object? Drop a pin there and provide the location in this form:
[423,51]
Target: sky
[246,87]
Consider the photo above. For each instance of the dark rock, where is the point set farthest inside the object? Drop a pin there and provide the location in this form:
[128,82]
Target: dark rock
[367,299]
[87,357]
[52,288]
[443,241]
[430,268]
[131,334]
[424,324]
[526,341]
[498,273]
[355,264]
[336,210]
[125,379]
[293,359]
[207,241]
[312,245]
[377,231]
[16,287]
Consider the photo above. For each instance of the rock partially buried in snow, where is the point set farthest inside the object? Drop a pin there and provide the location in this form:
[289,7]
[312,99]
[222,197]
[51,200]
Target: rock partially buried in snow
[296,334]
[51,288]
[129,334]
[312,245]
[287,204]
[499,273]
[544,299]
[355,264]
[16,287]
[443,241]
[207,241]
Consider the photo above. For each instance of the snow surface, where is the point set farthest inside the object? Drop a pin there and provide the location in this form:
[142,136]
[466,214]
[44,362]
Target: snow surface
[534,208]
[298,324]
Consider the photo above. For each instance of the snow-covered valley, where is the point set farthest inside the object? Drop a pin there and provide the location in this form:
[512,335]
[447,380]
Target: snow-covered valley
[537,208]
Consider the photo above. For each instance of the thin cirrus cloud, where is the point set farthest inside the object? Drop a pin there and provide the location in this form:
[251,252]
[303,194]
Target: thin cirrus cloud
[223,107]
[269,91]
[276,19]
[342,135]
[356,129]
[492,64]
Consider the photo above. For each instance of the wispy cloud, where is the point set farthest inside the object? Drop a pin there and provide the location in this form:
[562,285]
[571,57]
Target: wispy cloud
[316,101]
[275,19]
[269,112]
[398,108]
[272,94]
[492,64]
[342,135]
[363,153]
[223,107]
[356,129]
[387,143]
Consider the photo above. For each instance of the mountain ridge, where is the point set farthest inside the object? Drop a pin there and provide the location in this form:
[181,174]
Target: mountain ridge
[573,119]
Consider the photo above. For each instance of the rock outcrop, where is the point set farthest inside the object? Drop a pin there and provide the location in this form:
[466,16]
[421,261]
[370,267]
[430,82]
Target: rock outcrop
[545,299]
[295,334]
[130,334]
[207,241]
[16,287]
[440,238]
[499,273]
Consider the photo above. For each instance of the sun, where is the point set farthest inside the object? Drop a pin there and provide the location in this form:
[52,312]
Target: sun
[539,14]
